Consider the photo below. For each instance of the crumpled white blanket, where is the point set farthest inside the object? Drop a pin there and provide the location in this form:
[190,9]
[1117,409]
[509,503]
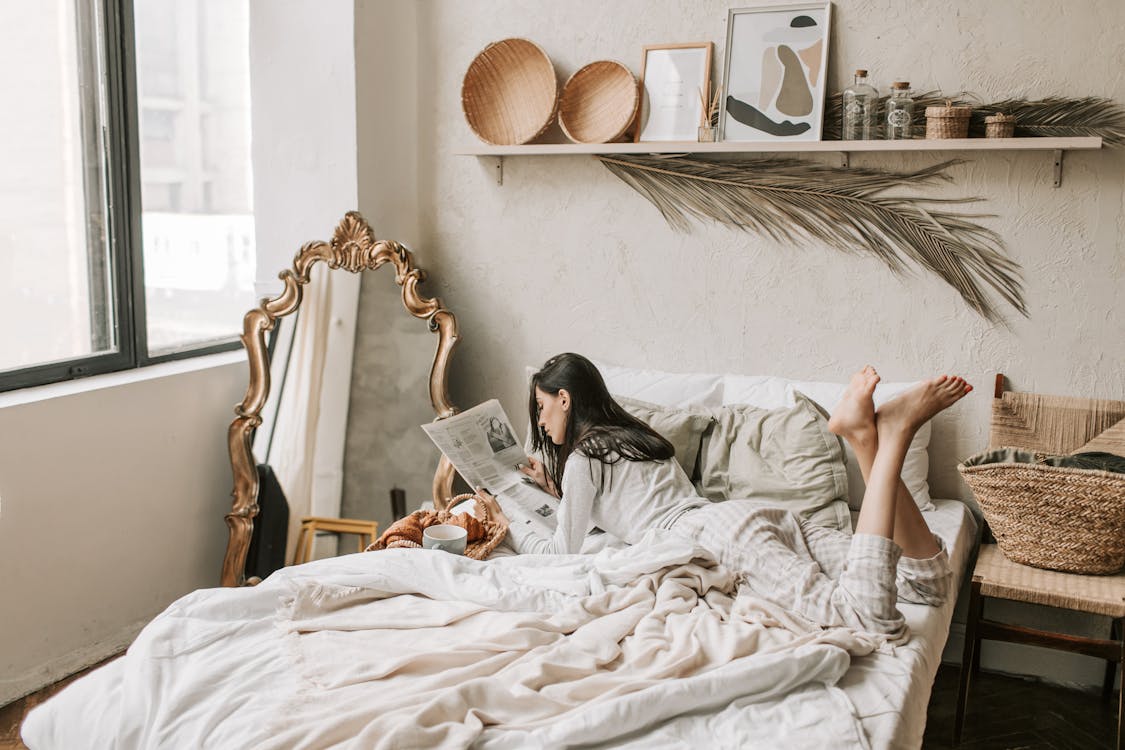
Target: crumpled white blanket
[649,646]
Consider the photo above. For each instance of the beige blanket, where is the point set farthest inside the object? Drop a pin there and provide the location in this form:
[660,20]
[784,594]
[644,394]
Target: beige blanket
[646,644]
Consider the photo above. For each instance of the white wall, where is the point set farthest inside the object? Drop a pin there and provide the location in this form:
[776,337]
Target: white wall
[564,256]
[112,498]
[111,506]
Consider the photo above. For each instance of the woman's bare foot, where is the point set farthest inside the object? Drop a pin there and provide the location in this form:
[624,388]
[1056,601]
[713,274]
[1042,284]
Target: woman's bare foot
[908,411]
[854,417]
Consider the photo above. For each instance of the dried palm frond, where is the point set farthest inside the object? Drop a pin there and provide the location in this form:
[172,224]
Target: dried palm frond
[1090,116]
[1054,116]
[847,209]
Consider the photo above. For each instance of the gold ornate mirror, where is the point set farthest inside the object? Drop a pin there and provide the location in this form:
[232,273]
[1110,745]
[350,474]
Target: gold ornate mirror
[353,248]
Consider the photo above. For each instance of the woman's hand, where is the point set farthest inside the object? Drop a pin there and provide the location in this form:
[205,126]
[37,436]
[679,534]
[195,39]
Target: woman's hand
[538,474]
[492,505]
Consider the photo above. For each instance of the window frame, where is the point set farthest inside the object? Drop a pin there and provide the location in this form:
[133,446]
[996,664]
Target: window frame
[121,203]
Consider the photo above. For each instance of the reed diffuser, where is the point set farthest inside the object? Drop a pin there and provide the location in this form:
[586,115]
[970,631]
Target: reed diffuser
[708,115]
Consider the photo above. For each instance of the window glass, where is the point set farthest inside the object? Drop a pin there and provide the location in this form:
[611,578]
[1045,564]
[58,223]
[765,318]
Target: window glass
[56,294]
[193,76]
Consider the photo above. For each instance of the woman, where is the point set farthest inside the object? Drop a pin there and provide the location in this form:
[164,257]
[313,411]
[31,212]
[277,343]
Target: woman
[616,473]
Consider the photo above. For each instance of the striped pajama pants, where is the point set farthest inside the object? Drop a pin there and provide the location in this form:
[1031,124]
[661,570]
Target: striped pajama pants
[827,576]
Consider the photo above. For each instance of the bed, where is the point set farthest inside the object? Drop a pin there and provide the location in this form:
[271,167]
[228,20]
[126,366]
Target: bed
[651,645]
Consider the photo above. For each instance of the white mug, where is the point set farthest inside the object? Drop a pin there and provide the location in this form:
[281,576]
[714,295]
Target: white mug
[445,537]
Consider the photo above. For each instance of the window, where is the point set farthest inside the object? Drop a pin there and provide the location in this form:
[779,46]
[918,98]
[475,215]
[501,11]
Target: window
[126,211]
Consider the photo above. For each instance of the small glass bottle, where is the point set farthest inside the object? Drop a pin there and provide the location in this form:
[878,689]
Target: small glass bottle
[899,121]
[861,110]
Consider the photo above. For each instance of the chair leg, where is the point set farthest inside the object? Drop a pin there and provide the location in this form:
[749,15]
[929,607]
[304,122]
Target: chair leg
[301,553]
[1111,666]
[1121,693]
[969,658]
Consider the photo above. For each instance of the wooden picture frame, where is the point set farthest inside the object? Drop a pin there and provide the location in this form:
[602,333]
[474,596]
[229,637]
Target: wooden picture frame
[674,80]
[774,72]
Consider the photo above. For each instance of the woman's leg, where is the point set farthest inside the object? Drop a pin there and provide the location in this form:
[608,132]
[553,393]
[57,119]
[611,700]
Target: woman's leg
[856,420]
[888,511]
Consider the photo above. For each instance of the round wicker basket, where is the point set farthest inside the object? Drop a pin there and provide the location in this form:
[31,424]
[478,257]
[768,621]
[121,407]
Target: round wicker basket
[599,102]
[1052,517]
[510,92]
[999,125]
[948,122]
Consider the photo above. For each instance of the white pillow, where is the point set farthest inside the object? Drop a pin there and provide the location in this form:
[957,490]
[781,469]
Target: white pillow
[663,388]
[916,467]
[761,391]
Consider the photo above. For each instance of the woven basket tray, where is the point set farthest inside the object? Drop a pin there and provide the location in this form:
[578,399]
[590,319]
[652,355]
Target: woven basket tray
[510,92]
[599,102]
[1052,517]
[407,532]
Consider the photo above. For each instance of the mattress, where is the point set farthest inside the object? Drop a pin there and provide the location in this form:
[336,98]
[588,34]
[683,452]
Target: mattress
[890,694]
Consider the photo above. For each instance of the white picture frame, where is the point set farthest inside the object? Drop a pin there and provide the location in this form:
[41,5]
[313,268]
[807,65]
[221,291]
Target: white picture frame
[674,77]
[774,72]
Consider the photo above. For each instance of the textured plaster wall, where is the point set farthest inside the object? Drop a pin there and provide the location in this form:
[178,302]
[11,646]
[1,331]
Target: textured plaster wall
[564,256]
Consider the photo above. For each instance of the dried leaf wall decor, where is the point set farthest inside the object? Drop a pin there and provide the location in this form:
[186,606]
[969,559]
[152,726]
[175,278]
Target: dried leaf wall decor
[848,209]
[1054,116]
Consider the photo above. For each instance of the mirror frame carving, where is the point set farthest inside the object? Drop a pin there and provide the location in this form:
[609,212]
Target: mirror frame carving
[354,248]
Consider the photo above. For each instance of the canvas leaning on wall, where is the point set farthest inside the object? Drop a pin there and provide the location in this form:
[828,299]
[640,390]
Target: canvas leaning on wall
[773,82]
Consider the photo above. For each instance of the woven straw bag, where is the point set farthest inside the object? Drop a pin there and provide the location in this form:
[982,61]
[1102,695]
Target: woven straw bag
[1051,517]
[399,535]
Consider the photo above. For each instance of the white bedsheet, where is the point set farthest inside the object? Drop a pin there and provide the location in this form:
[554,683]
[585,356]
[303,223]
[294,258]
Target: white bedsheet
[891,693]
[412,649]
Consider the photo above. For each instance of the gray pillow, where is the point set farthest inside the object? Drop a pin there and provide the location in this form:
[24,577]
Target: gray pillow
[683,428]
[781,457]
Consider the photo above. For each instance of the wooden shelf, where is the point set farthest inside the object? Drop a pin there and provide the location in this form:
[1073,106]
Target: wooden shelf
[845,148]
[729,147]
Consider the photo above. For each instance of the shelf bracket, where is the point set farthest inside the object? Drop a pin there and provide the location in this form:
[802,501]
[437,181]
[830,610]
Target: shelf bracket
[499,170]
[845,159]
[1058,166]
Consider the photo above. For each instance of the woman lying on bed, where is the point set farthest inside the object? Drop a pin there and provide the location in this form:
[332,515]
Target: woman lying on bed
[618,474]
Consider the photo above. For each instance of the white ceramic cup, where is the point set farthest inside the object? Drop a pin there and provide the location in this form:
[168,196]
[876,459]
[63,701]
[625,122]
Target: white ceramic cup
[446,537]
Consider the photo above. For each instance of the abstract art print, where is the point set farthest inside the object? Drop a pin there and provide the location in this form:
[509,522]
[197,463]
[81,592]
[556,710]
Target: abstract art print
[773,86]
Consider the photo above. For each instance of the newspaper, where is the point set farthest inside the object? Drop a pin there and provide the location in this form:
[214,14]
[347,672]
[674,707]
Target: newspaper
[482,446]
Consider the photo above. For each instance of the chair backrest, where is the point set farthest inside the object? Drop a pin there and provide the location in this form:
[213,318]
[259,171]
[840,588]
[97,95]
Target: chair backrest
[1056,424]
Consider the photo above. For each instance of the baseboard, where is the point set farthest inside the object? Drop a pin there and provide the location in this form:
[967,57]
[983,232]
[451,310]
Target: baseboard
[59,668]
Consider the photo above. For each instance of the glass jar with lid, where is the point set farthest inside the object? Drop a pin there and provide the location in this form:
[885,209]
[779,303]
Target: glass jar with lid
[898,122]
[860,109]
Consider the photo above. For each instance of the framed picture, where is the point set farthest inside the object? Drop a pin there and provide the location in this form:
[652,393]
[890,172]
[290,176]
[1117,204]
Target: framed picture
[675,79]
[773,81]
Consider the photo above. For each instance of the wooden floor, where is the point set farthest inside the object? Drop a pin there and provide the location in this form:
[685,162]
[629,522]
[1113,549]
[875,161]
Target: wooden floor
[1007,713]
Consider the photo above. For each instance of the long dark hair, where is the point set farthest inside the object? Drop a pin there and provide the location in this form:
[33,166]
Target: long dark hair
[597,425]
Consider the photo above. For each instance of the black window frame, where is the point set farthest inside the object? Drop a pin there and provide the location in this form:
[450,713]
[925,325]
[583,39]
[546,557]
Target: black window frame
[120,144]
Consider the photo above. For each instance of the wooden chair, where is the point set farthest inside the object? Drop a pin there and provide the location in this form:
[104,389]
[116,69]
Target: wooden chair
[1052,425]
[310,525]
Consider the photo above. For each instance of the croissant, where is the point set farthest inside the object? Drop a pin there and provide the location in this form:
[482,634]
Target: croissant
[406,532]
[481,536]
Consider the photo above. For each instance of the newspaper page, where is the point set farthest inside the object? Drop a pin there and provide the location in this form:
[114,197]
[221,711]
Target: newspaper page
[482,446]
